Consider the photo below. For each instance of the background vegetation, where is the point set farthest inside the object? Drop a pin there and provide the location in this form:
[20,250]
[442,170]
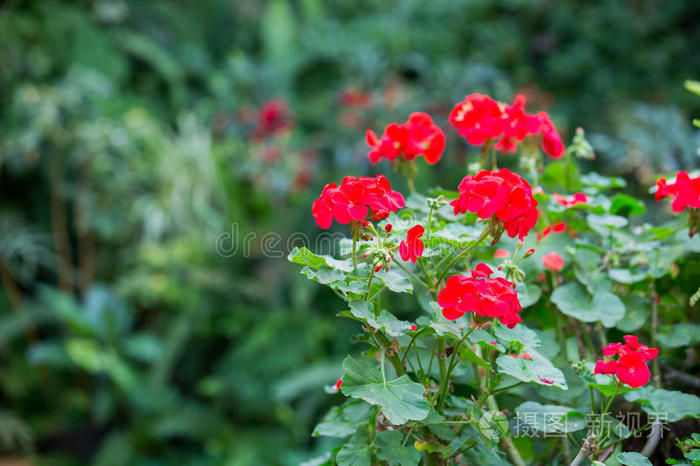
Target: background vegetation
[128,145]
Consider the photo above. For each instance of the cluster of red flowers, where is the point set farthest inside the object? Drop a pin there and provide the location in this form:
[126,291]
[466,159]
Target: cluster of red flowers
[273,118]
[412,248]
[627,361]
[489,297]
[355,199]
[685,190]
[503,194]
[418,136]
[570,201]
[479,118]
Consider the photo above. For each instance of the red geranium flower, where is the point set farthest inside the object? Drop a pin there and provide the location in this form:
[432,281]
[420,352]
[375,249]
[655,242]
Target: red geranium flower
[355,199]
[488,297]
[479,119]
[516,125]
[685,190]
[628,361]
[570,201]
[338,384]
[559,227]
[553,261]
[412,248]
[503,194]
[273,118]
[418,136]
[501,253]
[551,142]
[632,369]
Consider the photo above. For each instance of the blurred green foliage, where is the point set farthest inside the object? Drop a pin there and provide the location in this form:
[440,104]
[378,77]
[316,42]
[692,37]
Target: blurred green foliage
[126,337]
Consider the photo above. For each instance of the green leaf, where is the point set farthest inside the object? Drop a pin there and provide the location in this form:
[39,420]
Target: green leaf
[468,354]
[681,335]
[626,276]
[444,327]
[626,205]
[395,281]
[493,425]
[389,449]
[528,294]
[604,224]
[632,458]
[666,405]
[587,263]
[692,86]
[458,233]
[486,340]
[595,180]
[573,300]
[303,256]
[636,313]
[519,334]
[356,452]
[400,399]
[556,175]
[385,322]
[344,420]
[538,370]
[550,418]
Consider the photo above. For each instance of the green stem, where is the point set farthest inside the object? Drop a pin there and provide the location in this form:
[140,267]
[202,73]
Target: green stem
[413,276]
[499,390]
[656,371]
[354,252]
[369,283]
[411,185]
[604,411]
[462,254]
[430,217]
[445,380]
[638,431]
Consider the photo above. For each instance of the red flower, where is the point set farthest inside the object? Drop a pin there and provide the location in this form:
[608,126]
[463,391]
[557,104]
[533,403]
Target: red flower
[478,118]
[488,297]
[412,328]
[516,125]
[388,227]
[273,118]
[627,361]
[570,201]
[553,261]
[355,199]
[418,136]
[503,194]
[685,190]
[559,227]
[338,384]
[412,248]
[551,142]
[605,367]
[632,369]
[501,253]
